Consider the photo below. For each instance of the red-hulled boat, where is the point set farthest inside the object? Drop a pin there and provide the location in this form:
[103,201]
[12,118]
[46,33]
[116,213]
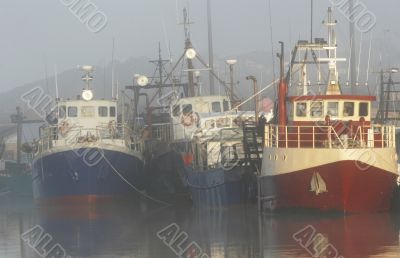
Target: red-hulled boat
[324,152]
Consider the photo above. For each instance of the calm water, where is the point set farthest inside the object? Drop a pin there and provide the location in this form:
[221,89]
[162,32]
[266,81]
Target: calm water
[123,231]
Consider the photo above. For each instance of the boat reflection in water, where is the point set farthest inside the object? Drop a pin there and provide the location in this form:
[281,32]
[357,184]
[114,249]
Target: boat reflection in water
[346,236]
[124,232]
[224,233]
[121,231]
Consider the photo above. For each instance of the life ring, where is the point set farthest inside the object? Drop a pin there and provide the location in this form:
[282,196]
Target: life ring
[190,119]
[63,128]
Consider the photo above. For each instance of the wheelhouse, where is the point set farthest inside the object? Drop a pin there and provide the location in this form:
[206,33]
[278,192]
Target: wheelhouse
[87,112]
[202,105]
[312,109]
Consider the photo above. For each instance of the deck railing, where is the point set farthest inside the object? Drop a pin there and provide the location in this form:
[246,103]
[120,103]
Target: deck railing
[374,136]
[52,136]
[162,132]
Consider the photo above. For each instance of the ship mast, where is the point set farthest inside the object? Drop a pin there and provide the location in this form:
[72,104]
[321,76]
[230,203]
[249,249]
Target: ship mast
[210,48]
[87,77]
[333,82]
[188,45]
[352,60]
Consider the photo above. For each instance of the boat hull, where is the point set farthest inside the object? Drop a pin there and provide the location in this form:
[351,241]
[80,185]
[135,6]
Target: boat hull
[215,188]
[66,177]
[348,189]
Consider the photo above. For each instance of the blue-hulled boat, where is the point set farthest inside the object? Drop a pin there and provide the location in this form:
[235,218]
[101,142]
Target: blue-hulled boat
[84,153]
[209,137]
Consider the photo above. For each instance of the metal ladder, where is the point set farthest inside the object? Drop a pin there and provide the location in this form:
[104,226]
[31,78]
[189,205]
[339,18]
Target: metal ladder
[252,143]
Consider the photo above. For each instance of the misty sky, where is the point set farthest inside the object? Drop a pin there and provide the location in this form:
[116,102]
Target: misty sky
[36,33]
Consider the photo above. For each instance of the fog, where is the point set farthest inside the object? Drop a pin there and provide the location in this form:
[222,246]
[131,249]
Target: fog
[36,35]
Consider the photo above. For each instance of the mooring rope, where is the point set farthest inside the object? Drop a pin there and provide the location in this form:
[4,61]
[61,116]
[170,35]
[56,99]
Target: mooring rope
[132,186]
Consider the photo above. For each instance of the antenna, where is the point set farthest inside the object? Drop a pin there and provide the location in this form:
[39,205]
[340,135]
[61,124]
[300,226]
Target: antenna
[87,93]
[189,52]
[352,50]
[359,59]
[104,80]
[333,82]
[45,72]
[112,69]
[117,90]
[369,59]
[271,41]
[56,80]
[210,48]
[87,78]
[312,18]
[349,66]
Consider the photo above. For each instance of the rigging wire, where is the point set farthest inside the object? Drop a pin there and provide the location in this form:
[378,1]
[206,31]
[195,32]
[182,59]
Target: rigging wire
[369,62]
[45,73]
[272,42]
[349,65]
[359,59]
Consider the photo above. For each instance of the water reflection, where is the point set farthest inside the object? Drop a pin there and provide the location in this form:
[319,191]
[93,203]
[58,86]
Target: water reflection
[351,236]
[124,231]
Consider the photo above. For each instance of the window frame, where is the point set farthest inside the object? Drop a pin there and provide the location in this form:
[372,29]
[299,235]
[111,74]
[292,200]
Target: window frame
[328,109]
[176,110]
[186,112]
[298,114]
[312,106]
[104,108]
[213,104]
[359,109]
[69,108]
[225,105]
[62,112]
[344,109]
[112,111]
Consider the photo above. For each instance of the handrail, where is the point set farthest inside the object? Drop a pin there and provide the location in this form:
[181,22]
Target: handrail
[371,136]
[103,133]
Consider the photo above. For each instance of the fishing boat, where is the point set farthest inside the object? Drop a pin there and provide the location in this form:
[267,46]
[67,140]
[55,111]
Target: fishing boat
[193,142]
[200,150]
[210,137]
[85,154]
[325,153]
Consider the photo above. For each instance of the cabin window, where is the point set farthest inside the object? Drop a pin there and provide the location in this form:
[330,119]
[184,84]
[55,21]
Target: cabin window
[112,112]
[216,107]
[317,109]
[187,109]
[301,109]
[333,109]
[176,110]
[87,111]
[103,111]
[348,109]
[225,103]
[363,109]
[72,111]
[61,112]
